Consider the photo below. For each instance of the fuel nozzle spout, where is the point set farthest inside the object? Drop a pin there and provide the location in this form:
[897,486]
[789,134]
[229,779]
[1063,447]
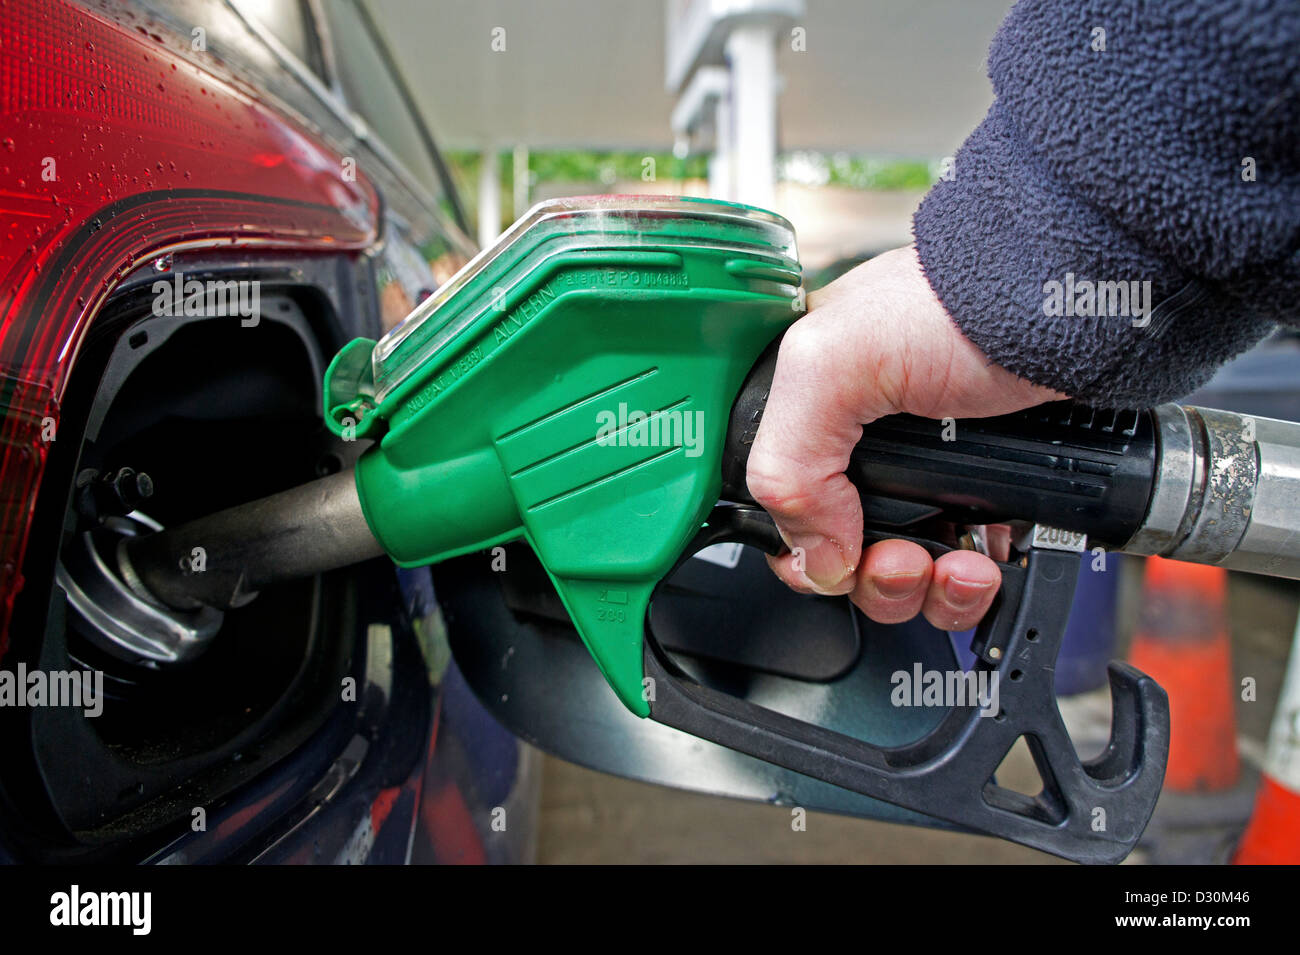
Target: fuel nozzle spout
[224,559]
[1226,492]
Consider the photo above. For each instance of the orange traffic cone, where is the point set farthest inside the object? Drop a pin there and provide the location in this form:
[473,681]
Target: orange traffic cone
[1182,641]
[1273,836]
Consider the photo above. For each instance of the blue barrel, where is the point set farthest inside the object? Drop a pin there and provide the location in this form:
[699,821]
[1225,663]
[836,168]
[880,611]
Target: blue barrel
[1089,642]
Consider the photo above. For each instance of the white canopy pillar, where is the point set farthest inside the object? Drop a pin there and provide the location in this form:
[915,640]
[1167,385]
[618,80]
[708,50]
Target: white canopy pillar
[489,197]
[721,63]
[751,53]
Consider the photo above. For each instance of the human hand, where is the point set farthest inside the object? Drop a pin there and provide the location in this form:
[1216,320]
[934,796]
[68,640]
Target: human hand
[875,342]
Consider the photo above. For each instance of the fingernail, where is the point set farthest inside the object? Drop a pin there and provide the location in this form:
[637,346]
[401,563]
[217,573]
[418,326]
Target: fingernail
[897,586]
[822,561]
[963,594]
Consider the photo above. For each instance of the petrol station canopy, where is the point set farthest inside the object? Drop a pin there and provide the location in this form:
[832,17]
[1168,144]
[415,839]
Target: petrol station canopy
[888,77]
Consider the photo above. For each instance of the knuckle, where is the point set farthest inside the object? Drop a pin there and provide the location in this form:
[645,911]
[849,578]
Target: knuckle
[777,486]
[804,344]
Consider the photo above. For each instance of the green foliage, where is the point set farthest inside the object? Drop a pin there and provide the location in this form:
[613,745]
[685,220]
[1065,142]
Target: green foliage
[857,172]
[591,166]
[883,174]
[609,167]
[601,170]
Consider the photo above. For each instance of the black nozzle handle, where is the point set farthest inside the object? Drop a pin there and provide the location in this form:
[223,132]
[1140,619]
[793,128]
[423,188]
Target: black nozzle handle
[950,773]
[1061,464]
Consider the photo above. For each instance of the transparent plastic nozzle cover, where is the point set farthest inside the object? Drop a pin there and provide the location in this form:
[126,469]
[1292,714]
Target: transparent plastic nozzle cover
[561,225]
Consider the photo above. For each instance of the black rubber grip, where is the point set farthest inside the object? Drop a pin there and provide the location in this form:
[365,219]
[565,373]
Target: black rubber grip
[1062,464]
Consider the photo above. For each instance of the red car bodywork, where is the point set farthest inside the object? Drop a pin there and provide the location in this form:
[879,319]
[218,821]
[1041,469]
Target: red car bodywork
[120,144]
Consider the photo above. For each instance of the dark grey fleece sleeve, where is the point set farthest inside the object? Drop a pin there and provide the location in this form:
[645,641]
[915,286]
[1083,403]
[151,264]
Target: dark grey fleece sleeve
[1165,150]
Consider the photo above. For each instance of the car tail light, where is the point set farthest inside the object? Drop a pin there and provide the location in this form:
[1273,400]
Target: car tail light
[117,145]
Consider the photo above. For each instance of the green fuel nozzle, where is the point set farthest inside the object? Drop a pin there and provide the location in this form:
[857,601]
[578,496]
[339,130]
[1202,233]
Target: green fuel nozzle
[572,386]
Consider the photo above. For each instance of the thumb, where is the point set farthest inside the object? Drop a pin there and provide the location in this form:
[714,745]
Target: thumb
[796,466]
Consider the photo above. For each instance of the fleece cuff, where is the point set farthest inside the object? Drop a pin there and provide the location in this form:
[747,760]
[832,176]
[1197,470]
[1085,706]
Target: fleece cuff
[1050,289]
